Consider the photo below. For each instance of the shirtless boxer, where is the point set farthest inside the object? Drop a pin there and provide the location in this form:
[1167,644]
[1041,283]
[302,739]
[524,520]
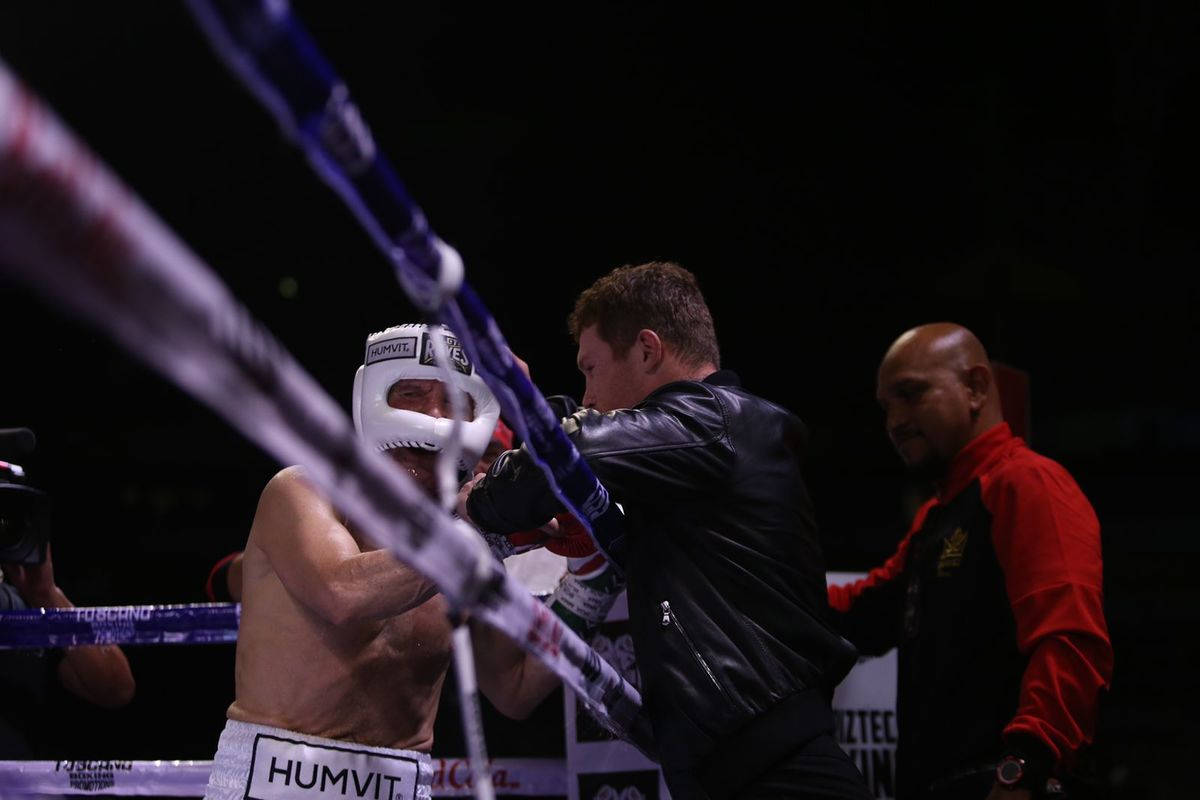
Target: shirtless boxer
[342,650]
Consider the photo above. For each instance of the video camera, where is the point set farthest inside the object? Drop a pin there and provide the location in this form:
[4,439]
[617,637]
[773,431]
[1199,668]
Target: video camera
[24,510]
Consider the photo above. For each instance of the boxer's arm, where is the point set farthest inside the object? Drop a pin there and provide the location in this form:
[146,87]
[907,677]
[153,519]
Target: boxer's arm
[512,679]
[515,681]
[319,562]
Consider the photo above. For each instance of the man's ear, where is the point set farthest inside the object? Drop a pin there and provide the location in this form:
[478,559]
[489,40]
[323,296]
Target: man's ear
[649,350]
[979,382]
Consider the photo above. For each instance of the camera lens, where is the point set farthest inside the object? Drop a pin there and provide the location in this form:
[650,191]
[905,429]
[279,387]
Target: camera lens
[24,524]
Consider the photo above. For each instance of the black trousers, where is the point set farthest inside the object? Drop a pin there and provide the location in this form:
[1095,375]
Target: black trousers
[819,770]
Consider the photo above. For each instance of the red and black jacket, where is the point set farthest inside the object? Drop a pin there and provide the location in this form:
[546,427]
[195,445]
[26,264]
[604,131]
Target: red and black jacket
[994,598]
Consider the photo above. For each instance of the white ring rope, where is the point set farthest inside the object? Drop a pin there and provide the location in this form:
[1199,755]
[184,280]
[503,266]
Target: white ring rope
[535,777]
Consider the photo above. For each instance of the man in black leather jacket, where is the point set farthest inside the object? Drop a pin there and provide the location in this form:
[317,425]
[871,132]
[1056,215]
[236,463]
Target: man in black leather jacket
[726,585]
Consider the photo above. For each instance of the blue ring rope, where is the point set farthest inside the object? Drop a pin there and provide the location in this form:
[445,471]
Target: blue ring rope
[195,623]
[276,58]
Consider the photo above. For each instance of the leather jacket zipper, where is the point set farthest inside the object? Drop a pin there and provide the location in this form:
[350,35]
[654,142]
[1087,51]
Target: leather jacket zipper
[667,619]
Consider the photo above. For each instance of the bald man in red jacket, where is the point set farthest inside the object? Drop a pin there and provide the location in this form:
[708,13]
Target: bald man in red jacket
[994,596]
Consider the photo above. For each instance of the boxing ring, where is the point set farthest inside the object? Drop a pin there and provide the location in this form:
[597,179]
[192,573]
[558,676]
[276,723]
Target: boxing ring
[864,707]
[193,624]
[73,233]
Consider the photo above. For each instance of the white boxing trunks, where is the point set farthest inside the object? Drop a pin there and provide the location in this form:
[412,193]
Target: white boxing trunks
[257,762]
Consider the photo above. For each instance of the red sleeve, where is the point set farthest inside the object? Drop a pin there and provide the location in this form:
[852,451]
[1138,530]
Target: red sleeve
[1047,540]
[842,598]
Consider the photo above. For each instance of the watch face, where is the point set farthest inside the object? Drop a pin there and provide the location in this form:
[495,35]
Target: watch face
[1009,771]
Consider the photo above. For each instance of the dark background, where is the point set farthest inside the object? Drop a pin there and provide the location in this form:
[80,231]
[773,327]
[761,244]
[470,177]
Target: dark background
[832,176]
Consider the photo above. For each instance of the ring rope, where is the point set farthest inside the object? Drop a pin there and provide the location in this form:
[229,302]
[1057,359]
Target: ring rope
[528,777]
[191,623]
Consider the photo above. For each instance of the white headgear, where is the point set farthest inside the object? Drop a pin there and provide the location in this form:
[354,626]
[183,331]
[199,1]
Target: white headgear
[406,351]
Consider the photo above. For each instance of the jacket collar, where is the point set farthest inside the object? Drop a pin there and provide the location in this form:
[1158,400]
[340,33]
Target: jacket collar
[974,459]
[724,377]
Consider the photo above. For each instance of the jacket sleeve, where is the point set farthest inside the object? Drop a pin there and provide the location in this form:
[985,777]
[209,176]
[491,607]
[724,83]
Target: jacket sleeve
[1047,540]
[870,611]
[661,452]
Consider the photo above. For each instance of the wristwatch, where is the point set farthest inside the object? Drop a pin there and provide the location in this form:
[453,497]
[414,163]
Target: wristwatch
[1010,772]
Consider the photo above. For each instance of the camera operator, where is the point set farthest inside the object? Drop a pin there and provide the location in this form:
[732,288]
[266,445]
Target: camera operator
[98,674]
